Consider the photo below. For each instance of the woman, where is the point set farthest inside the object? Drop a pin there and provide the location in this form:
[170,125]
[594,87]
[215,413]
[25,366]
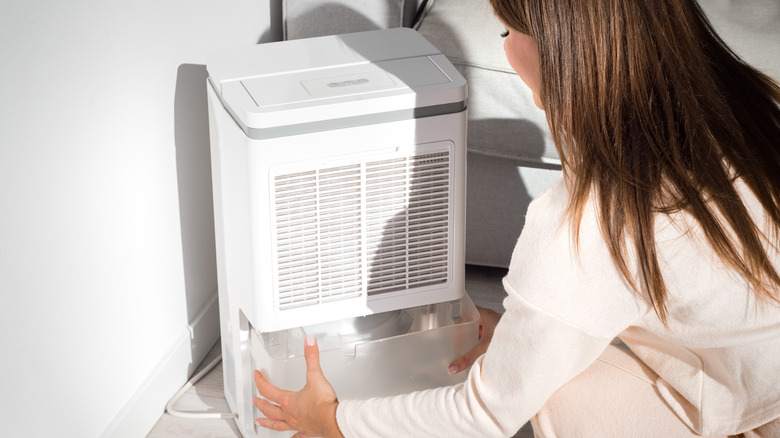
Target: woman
[664,232]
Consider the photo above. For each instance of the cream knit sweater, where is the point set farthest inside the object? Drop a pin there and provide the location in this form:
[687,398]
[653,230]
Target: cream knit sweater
[718,360]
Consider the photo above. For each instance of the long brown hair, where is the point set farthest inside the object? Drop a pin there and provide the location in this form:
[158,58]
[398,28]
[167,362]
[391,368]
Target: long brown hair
[652,113]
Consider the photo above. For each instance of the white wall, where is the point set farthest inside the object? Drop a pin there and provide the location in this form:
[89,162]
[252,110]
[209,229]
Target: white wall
[106,228]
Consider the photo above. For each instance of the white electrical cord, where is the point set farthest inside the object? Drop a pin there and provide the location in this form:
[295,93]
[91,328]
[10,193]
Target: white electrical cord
[422,12]
[190,384]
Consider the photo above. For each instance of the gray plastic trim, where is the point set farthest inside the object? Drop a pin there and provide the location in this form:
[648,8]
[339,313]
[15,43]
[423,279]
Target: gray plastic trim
[349,122]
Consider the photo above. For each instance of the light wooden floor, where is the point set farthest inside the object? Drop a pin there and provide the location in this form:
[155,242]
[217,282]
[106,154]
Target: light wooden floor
[483,285]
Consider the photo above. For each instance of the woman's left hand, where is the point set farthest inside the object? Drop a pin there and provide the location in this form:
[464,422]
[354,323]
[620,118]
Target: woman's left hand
[311,411]
[488,320]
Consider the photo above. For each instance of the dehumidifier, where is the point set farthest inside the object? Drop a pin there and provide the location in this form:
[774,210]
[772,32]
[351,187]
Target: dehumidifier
[339,169]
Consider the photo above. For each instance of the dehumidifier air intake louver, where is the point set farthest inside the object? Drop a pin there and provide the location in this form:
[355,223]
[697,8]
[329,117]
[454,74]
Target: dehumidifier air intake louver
[366,228]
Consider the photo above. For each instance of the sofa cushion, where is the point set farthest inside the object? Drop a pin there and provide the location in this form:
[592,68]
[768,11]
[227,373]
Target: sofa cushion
[503,119]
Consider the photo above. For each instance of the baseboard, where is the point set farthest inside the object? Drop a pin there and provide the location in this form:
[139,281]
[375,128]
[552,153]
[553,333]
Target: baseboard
[145,407]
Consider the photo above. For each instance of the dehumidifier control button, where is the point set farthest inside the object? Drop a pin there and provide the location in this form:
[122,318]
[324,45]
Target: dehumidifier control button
[349,84]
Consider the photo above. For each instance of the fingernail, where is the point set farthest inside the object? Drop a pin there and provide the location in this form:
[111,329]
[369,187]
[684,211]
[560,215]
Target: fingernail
[310,340]
[257,422]
[453,369]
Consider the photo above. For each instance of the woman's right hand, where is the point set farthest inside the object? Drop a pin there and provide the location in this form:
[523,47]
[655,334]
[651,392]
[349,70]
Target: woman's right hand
[488,319]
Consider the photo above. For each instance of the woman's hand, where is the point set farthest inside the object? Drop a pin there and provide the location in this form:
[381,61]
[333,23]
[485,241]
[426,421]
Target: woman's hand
[311,411]
[488,319]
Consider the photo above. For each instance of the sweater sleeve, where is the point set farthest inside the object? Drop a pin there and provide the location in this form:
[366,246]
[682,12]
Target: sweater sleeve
[541,342]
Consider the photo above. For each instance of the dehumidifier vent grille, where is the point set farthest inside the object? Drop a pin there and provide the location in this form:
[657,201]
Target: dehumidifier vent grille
[371,227]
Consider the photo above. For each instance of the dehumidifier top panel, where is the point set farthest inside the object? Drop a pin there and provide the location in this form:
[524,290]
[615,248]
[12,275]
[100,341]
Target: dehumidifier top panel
[313,53]
[332,82]
[345,82]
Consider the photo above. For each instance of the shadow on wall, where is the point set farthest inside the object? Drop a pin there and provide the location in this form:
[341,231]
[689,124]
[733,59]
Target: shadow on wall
[196,211]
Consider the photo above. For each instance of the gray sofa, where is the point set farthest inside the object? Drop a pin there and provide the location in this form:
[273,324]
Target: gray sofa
[511,158]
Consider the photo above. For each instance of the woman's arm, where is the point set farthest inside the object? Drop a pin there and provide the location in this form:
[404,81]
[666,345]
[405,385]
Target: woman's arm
[562,311]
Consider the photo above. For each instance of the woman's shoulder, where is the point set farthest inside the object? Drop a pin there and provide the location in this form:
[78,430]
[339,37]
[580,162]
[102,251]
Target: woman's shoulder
[573,279]
[554,198]
[548,215]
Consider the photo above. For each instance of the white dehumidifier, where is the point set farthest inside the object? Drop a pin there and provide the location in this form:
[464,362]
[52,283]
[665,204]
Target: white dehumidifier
[339,169]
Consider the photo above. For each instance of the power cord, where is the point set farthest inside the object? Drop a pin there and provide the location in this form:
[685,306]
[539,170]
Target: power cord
[190,384]
[422,11]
